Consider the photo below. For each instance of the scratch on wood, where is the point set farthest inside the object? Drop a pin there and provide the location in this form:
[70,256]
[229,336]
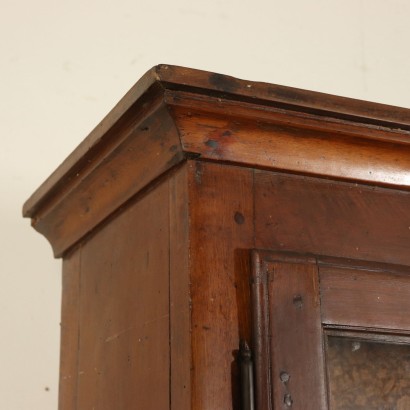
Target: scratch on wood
[118,334]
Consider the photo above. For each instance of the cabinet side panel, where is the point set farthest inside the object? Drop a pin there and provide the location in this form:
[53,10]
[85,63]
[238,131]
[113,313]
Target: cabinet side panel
[70,305]
[180,314]
[221,232]
[323,217]
[124,313]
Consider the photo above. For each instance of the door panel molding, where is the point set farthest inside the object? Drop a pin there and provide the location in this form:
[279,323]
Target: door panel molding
[298,300]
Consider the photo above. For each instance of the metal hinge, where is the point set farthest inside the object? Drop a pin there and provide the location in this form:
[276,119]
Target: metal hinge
[247,381]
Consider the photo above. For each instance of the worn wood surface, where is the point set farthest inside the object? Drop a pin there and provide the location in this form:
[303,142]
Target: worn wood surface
[131,108]
[180,300]
[221,224]
[165,199]
[210,225]
[196,109]
[110,179]
[70,314]
[124,353]
[293,99]
[174,112]
[270,138]
[163,78]
[353,297]
[261,332]
[331,218]
[294,337]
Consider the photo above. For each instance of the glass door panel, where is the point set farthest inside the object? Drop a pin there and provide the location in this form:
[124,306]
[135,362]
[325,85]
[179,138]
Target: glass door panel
[367,374]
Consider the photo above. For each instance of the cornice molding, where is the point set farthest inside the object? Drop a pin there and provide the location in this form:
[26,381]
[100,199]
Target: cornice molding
[173,113]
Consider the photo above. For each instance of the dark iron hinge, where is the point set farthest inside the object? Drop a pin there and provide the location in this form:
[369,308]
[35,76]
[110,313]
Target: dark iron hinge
[246,369]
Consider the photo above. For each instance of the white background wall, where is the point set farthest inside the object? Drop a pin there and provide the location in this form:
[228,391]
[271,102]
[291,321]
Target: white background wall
[63,66]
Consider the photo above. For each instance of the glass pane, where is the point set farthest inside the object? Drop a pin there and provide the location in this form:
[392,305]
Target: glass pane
[368,375]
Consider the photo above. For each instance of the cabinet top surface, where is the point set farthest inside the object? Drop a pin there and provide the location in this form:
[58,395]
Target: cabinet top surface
[199,81]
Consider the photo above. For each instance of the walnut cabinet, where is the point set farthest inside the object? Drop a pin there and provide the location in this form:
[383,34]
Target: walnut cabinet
[229,244]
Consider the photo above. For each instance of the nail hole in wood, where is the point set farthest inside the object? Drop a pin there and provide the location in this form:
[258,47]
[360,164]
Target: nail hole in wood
[298,301]
[239,218]
[288,400]
[284,377]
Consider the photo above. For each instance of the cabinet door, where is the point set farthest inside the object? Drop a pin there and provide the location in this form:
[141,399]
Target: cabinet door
[330,333]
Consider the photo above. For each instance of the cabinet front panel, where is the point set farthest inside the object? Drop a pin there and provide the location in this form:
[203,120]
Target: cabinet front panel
[221,232]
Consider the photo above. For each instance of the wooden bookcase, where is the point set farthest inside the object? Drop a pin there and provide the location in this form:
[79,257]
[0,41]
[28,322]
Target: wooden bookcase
[206,212]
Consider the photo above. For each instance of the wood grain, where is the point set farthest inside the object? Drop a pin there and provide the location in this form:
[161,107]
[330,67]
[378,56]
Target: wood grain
[294,334]
[173,113]
[163,79]
[353,297]
[221,222]
[185,105]
[124,318]
[310,215]
[70,332]
[325,105]
[113,178]
[261,333]
[280,140]
[156,212]
[136,104]
[180,298]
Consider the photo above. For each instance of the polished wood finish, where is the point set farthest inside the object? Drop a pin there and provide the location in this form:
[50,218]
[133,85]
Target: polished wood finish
[293,315]
[288,333]
[70,331]
[124,309]
[180,301]
[331,218]
[156,215]
[381,297]
[174,113]
[221,225]
[102,182]
[218,129]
